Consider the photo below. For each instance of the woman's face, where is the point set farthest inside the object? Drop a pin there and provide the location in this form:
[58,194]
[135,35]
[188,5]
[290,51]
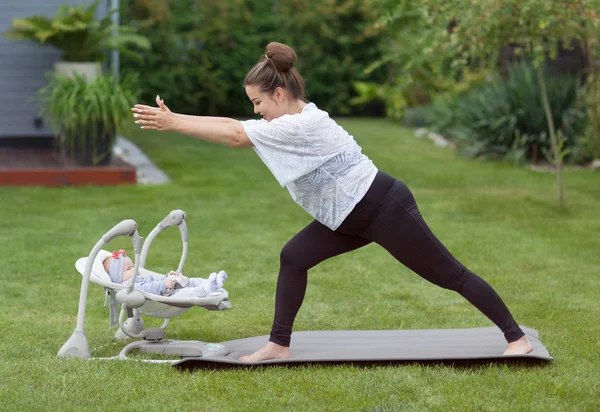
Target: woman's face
[268,106]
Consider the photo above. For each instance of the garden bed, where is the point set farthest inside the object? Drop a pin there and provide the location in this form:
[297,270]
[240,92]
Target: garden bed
[45,167]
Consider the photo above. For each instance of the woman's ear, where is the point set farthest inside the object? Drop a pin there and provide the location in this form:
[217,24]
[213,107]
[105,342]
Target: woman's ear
[280,94]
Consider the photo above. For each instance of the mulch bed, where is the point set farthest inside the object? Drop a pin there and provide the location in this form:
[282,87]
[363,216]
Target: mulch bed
[46,167]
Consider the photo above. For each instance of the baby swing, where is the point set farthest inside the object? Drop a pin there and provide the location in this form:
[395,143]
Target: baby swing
[135,302]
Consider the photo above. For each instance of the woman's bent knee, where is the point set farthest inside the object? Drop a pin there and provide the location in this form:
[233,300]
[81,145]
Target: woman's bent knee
[291,257]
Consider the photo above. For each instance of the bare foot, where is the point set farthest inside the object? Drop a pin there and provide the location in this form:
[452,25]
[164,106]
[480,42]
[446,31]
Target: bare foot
[519,347]
[269,351]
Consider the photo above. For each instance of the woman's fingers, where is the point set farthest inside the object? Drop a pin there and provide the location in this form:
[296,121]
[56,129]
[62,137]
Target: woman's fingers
[148,121]
[146,109]
[141,108]
[148,124]
[161,104]
[140,112]
[145,116]
[152,118]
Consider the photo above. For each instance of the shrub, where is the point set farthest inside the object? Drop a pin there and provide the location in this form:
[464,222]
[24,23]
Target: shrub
[590,98]
[202,50]
[419,116]
[505,118]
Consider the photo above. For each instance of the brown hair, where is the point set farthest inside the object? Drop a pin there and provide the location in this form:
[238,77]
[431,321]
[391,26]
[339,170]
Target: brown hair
[276,69]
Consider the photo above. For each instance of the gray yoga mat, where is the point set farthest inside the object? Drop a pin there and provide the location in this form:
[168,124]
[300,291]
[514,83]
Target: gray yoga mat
[381,346]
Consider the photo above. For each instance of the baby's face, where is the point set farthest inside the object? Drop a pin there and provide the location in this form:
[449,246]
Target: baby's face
[127,263]
[127,269]
[127,266]
[106,263]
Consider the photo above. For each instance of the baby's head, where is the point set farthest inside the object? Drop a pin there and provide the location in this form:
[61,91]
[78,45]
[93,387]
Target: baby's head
[118,266]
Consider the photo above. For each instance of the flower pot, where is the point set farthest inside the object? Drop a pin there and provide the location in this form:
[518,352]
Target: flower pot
[89,70]
[89,147]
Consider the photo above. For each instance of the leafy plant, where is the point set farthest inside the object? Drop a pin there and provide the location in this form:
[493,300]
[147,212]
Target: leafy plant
[77,32]
[85,115]
[202,50]
[471,33]
[504,119]
[415,71]
[419,116]
[366,92]
[590,96]
[370,96]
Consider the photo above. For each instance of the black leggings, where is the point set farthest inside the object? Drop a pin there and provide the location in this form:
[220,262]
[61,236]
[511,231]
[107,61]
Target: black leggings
[387,215]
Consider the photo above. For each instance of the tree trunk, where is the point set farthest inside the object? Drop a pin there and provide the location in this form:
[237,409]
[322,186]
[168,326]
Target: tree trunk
[557,156]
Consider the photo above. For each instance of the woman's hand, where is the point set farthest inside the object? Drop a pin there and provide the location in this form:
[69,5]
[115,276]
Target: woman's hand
[155,118]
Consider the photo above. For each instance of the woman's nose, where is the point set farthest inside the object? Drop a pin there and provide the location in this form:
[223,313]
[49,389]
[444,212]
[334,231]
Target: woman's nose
[255,110]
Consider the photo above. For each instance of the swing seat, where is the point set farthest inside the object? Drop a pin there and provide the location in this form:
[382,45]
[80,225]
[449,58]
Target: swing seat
[157,306]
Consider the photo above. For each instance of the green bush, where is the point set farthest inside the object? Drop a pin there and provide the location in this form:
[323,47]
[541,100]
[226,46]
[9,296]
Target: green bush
[506,118]
[590,98]
[180,68]
[419,116]
[203,50]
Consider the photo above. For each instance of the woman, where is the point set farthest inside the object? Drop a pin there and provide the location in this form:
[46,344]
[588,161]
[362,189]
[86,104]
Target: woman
[327,174]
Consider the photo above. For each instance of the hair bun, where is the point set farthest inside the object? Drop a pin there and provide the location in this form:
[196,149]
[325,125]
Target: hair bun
[282,56]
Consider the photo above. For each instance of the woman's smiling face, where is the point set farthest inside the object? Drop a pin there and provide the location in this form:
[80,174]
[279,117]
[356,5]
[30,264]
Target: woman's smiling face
[268,106]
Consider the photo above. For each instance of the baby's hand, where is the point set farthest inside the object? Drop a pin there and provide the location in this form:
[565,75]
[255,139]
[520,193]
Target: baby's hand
[169,283]
[173,273]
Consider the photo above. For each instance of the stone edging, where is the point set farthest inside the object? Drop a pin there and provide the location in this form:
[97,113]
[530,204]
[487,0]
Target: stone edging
[438,139]
[146,171]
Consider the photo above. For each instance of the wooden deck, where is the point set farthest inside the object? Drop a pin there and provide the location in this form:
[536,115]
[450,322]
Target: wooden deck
[45,167]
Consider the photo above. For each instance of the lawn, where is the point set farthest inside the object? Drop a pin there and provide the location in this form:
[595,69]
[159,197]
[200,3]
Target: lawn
[497,218]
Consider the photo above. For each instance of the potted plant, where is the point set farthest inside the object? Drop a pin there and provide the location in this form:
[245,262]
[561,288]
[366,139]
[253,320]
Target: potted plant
[82,38]
[86,114]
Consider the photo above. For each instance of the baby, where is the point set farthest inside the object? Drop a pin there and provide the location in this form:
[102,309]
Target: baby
[119,267]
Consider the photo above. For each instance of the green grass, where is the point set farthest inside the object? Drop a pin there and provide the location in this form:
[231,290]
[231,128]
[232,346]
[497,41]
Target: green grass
[498,219]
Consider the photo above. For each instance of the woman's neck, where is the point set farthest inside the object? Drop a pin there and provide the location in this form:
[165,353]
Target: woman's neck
[296,107]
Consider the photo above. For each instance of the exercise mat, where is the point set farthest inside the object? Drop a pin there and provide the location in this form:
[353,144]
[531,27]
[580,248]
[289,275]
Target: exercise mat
[455,346]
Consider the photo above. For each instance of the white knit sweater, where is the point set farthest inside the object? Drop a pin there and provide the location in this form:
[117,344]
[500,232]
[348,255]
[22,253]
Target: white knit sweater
[320,163]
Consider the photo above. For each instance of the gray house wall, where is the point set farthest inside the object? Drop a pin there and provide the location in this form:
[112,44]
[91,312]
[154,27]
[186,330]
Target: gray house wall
[22,69]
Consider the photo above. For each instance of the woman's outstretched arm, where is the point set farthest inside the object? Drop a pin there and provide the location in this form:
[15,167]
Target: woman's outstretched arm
[211,119]
[219,130]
